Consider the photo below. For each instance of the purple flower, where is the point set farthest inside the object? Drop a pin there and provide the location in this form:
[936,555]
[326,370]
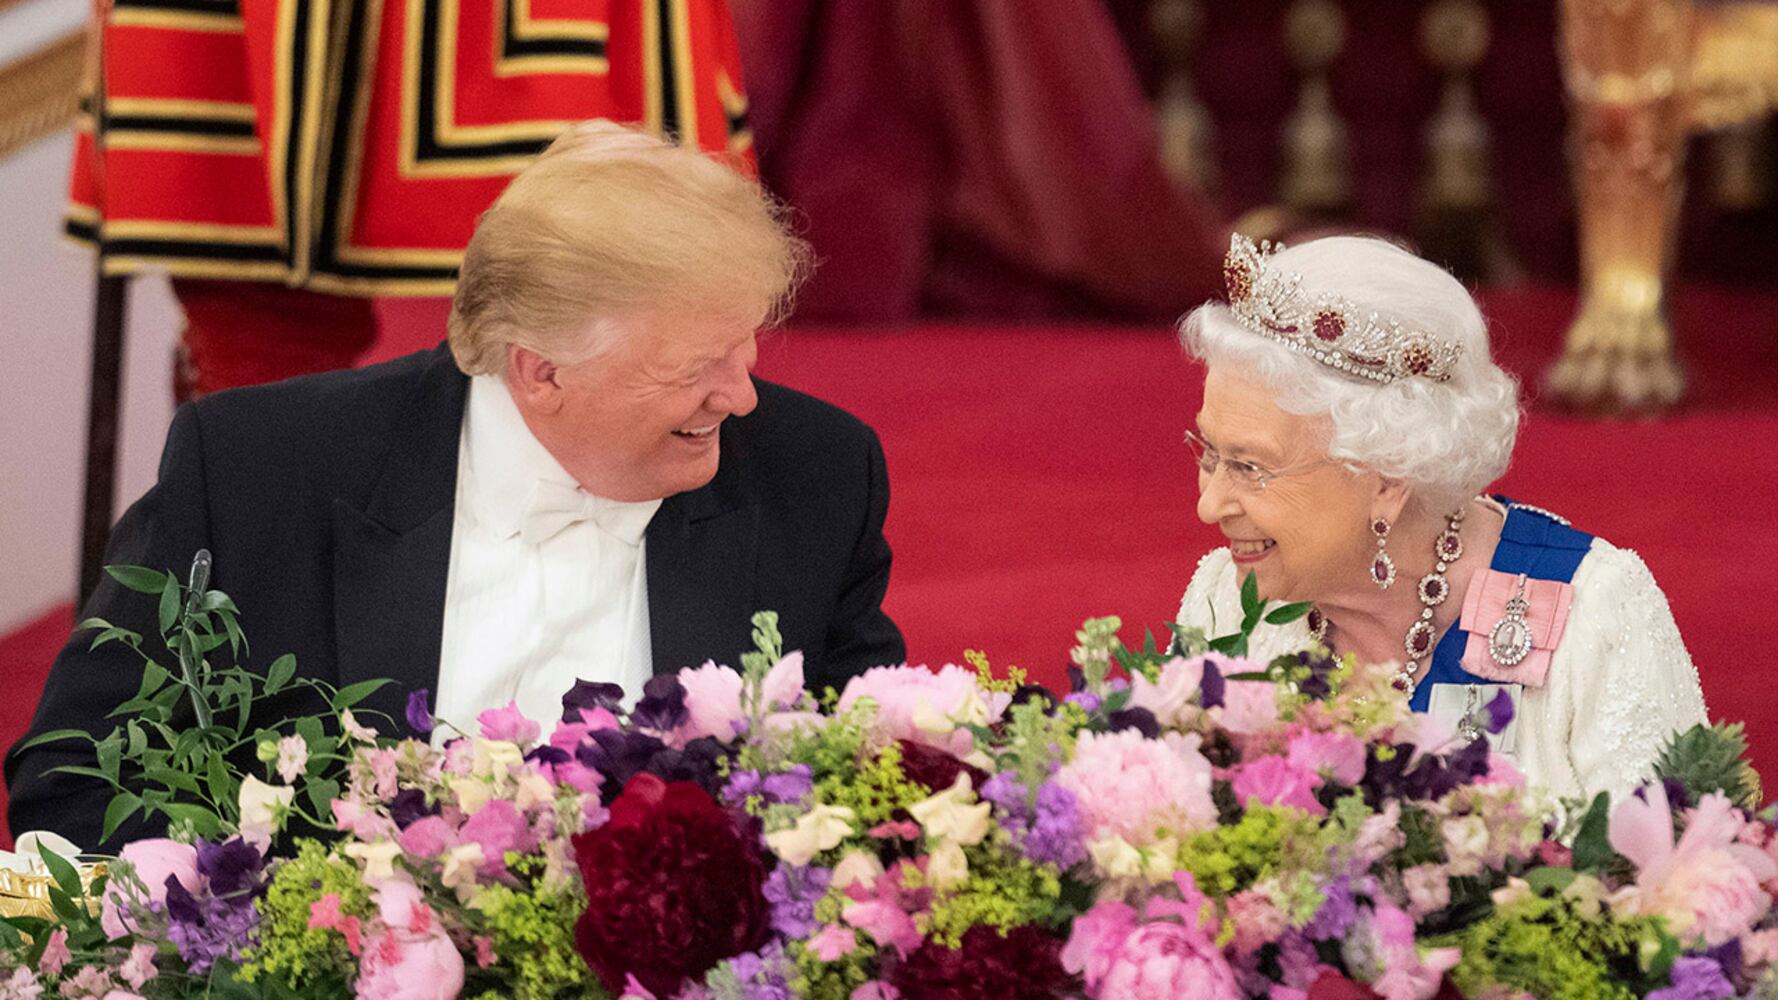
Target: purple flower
[1500,712]
[589,695]
[233,866]
[419,716]
[1695,978]
[1050,831]
[211,929]
[793,892]
[409,807]
[1139,719]
[662,707]
[1337,914]
[620,756]
[791,787]
[761,975]
[1211,686]
[1087,700]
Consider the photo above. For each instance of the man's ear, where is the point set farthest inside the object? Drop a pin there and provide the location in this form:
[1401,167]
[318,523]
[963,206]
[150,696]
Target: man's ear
[531,378]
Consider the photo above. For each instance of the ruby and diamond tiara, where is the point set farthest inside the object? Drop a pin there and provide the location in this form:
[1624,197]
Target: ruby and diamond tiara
[1330,329]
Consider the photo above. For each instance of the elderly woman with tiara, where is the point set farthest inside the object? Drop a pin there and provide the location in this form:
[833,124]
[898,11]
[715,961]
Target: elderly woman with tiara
[1352,418]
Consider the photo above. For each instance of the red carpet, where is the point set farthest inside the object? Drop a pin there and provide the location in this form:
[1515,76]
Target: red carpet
[1039,478]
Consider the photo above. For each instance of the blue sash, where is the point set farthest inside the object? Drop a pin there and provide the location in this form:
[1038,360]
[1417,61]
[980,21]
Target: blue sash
[1532,542]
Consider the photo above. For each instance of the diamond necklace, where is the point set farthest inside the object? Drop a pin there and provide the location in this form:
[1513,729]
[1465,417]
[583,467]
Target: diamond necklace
[1433,591]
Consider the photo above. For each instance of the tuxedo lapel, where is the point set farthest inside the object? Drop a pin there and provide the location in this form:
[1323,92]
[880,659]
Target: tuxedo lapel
[391,558]
[702,550]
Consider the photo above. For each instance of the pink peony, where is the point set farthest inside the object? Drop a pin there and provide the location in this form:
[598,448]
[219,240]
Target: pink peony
[926,706]
[1275,781]
[712,702]
[1338,757]
[1707,884]
[1168,955]
[154,861]
[1172,697]
[409,956]
[1249,707]
[509,724]
[1139,789]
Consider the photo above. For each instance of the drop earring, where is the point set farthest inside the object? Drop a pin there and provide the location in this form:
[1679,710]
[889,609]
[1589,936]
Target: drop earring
[1382,567]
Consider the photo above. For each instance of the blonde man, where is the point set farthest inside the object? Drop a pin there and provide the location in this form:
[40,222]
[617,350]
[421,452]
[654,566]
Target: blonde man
[586,485]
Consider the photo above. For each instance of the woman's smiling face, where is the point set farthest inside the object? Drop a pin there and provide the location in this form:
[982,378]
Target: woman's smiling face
[1305,534]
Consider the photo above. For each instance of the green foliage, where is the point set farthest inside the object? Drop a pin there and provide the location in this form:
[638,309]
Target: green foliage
[876,791]
[289,950]
[1708,759]
[818,980]
[1592,845]
[171,752]
[1002,891]
[1253,611]
[1549,947]
[1265,840]
[532,930]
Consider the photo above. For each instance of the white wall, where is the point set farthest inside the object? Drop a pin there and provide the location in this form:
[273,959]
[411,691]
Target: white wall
[46,294]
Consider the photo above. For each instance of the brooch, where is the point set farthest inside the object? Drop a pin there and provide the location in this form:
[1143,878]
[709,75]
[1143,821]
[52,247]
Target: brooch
[1509,642]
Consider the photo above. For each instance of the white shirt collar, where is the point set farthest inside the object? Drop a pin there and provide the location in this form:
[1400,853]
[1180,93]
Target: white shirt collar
[506,467]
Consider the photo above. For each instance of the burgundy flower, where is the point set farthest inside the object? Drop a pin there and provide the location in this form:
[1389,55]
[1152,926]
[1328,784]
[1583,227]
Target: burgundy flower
[1023,964]
[674,886]
[936,769]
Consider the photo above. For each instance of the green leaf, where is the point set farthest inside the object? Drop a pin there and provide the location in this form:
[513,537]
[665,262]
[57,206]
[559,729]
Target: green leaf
[113,634]
[321,795]
[279,673]
[110,753]
[64,906]
[138,741]
[153,677]
[352,694]
[80,771]
[140,579]
[1592,845]
[169,610]
[1288,613]
[10,938]
[174,779]
[222,787]
[123,806]
[57,734]
[309,728]
[203,821]
[1250,604]
[61,870]
[216,600]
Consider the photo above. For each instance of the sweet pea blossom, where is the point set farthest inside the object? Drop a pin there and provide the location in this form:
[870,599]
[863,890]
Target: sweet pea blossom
[262,809]
[820,829]
[953,815]
[293,757]
[1708,883]
[509,724]
[1171,696]
[1276,781]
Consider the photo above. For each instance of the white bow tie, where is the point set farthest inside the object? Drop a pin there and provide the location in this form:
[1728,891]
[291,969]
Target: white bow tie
[555,506]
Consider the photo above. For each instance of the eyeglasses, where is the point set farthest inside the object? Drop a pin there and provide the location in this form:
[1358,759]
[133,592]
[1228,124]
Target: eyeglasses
[1243,475]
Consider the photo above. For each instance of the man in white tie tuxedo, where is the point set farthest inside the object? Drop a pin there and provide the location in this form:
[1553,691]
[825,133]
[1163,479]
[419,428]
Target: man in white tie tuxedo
[586,482]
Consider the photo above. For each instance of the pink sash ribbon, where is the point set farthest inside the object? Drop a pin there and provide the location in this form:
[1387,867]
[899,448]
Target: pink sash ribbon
[1485,605]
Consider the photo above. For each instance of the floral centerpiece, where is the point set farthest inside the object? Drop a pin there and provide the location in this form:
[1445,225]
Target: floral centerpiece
[1182,823]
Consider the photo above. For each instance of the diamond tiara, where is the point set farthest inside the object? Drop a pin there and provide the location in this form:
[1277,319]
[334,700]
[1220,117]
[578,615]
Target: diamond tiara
[1325,327]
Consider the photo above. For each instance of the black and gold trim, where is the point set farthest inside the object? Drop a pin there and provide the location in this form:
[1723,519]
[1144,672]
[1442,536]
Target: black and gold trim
[535,45]
[178,15]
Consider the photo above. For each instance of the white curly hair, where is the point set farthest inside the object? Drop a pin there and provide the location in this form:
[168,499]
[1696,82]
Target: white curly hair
[1448,441]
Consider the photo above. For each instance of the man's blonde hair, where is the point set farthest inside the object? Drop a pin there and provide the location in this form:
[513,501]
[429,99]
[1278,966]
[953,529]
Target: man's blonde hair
[608,223]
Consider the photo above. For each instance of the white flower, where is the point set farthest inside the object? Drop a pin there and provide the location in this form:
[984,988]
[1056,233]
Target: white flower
[293,757]
[263,808]
[820,829]
[953,814]
[857,867]
[353,729]
[378,858]
[947,867]
[472,793]
[460,866]
[494,758]
[1116,857]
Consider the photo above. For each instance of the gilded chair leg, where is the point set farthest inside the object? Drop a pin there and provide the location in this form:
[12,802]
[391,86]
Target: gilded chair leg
[1626,69]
